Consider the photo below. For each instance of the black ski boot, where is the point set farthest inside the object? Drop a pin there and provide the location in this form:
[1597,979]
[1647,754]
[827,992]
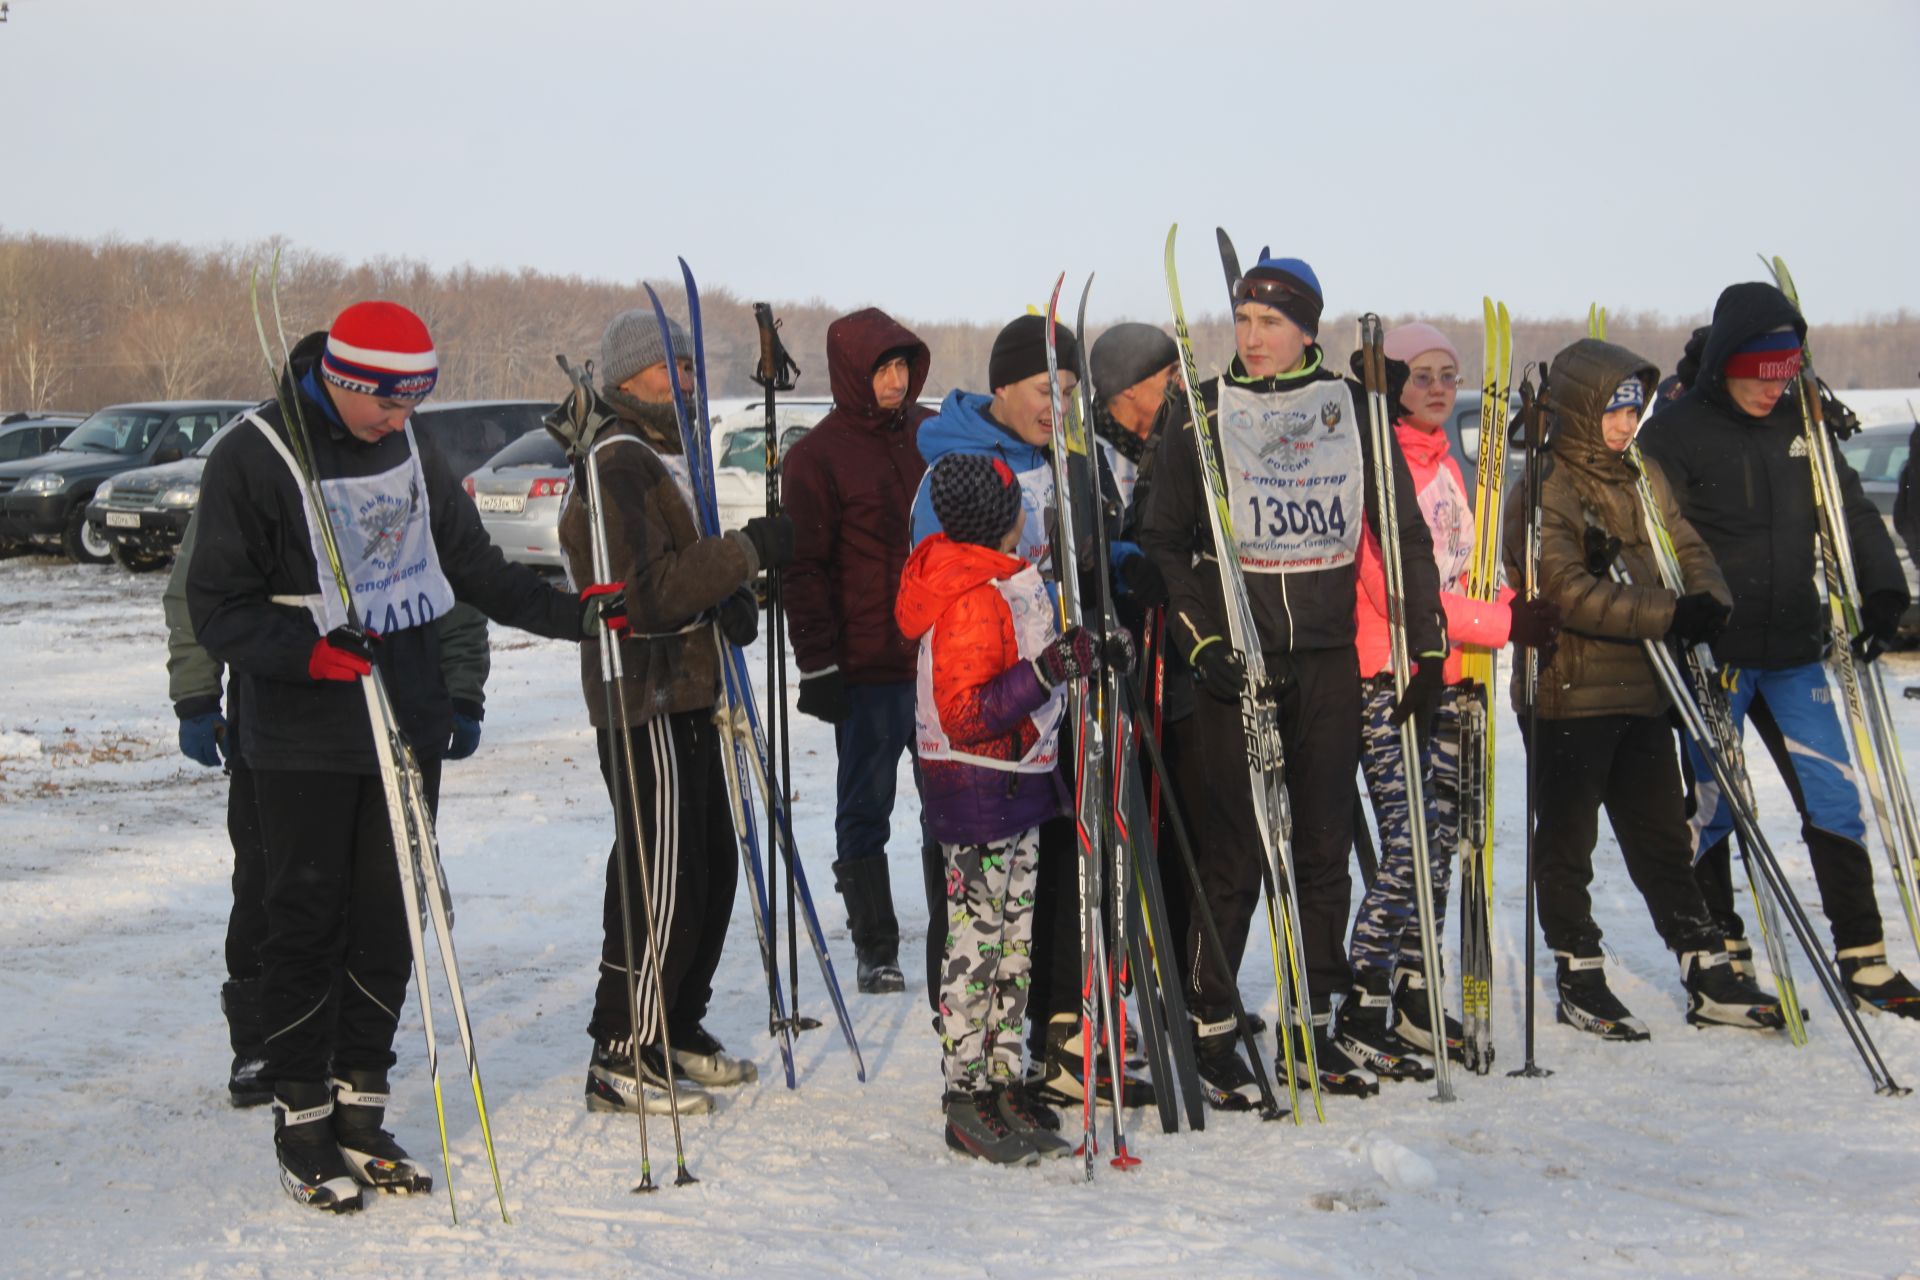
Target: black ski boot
[1587,1004]
[975,1128]
[359,1105]
[867,889]
[1225,1077]
[311,1167]
[1340,1072]
[1874,984]
[247,1086]
[1719,997]
[613,1084]
[1362,1031]
[1064,1061]
[1410,1015]
[1031,1120]
[1026,1097]
[699,1057]
[1740,958]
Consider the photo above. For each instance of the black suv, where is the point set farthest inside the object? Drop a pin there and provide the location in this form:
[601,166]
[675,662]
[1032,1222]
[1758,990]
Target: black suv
[43,500]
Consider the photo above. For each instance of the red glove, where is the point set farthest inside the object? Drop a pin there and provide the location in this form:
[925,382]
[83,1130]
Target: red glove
[342,654]
[605,602]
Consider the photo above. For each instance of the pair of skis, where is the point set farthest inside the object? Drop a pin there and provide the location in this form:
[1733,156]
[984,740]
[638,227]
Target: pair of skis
[409,816]
[746,761]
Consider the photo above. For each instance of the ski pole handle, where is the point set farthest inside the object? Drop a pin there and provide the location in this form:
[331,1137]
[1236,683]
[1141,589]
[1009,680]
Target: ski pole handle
[776,369]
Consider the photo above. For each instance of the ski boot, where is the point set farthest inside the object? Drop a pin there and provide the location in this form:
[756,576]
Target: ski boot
[699,1057]
[377,1161]
[1225,1077]
[1362,1032]
[1026,1091]
[975,1128]
[247,1086]
[1740,958]
[1719,997]
[1340,1073]
[1064,1061]
[1874,984]
[1038,1124]
[1586,1003]
[312,1169]
[613,1085]
[1410,1015]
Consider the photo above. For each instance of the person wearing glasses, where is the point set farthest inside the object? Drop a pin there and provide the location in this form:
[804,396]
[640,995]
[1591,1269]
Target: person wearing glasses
[1385,1019]
[1293,448]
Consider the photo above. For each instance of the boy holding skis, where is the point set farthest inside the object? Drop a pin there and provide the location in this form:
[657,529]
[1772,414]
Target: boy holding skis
[679,586]
[265,601]
[1296,458]
[993,672]
[1603,736]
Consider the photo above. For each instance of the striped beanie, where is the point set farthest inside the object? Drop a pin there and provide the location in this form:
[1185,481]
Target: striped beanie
[1771,356]
[380,349]
[975,497]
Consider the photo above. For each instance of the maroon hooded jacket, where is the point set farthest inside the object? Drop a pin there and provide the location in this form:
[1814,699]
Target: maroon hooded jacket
[849,486]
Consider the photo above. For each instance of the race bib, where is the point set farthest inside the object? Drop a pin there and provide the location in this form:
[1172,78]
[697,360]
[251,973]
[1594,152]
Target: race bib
[1444,503]
[1036,512]
[1126,474]
[675,463]
[1295,479]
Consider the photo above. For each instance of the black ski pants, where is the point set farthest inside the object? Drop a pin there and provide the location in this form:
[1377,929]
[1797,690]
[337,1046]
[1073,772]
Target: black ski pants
[1319,706]
[247,918]
[336,953]
[686,829]
[1628,765]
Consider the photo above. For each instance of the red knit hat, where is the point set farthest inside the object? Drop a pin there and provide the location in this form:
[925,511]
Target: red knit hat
[381,349]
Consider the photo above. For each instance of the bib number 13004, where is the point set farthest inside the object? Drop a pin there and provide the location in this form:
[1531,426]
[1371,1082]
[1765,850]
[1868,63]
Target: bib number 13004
[1274,517]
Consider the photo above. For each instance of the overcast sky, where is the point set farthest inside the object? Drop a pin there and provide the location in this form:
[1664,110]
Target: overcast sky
[946,160]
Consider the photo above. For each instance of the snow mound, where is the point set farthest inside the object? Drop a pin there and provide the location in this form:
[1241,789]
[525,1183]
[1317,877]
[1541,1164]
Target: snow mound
[19,746]
[1401,1168]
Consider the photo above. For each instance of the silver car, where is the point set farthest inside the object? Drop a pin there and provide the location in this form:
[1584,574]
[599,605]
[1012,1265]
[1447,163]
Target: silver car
[519,491]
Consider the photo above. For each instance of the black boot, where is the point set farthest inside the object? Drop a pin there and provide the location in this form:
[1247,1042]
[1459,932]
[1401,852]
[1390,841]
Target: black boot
[1874,984]
[1364,1031]
[311,1167]
[1717,996]
[359,1107]
[1587,1003]
[246,1086]
[867,887]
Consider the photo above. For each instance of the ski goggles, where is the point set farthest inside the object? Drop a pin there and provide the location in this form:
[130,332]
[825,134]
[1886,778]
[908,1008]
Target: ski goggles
[1271,292]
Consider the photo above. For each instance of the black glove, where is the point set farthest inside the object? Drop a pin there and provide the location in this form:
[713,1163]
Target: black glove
[772,539]
[1880,615]
[1422,697]
[1698,619]
[1145,584]
[465,739]
[1536,623]
[740,618]
[1841,421]
[1118,652]
[1219,670]
[202,737]
[1072,655]
[823,695]
[1600,550]
[1397,371]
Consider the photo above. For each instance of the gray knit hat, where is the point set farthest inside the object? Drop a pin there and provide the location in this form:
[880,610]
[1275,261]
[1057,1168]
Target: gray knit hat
[632,343]
[975,497]
[1129,353]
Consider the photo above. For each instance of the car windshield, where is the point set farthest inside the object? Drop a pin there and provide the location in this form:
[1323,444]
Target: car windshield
[534,449]
[466,436]
[1877,454]
[115,431]
[206,450]
[747,447]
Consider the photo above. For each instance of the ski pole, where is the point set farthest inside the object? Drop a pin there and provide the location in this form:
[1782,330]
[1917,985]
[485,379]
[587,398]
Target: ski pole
[1533,420]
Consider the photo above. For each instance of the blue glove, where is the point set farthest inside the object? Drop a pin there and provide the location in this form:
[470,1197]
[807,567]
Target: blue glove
[466,737]
[202,736]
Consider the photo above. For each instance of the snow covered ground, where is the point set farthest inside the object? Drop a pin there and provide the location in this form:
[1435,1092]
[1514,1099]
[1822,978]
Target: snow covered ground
[1698,1154]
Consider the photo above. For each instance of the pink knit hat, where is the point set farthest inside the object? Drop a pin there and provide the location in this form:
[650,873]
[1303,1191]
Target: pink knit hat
[1406,341]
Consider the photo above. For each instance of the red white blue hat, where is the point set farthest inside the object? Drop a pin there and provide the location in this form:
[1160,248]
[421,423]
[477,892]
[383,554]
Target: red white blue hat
[381,349]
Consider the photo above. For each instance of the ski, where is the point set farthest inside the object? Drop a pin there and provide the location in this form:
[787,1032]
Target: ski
[1260,723]
[1481,670]
[1533,422]
[1412,750]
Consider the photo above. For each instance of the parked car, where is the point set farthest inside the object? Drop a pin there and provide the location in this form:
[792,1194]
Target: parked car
[519,492]
[43,500]
[141,514]
[25,435]
[1878,454]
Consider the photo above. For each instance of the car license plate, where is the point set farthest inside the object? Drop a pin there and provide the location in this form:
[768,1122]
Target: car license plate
[123,519]
[509,502]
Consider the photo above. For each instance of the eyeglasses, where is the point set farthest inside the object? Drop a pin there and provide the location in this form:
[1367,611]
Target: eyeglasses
[1421,379]
[1262,289]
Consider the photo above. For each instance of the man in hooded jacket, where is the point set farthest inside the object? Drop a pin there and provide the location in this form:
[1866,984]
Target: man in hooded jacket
[848,486]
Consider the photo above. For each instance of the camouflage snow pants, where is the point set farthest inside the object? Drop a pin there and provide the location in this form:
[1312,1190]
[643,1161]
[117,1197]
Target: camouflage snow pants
[1388,925]
[984,978]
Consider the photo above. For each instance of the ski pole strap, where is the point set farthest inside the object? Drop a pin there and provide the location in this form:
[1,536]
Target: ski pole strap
[1193,658]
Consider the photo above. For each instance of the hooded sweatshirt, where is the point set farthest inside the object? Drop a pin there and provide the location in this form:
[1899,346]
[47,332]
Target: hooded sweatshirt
[1747,486]
[979,695]
[1443,501]
[848,487]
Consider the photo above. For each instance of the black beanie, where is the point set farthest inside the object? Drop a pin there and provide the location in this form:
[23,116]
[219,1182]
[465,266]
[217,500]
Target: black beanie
[1020,351]
[975,496]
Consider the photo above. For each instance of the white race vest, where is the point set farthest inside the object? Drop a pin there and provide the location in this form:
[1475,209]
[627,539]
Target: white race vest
[675,463]
[1036,508]
[1031,606]
[1295,476]
[383,527]
[1125,472]
[1444,503]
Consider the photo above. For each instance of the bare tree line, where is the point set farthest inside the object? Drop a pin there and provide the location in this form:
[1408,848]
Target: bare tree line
[90,323]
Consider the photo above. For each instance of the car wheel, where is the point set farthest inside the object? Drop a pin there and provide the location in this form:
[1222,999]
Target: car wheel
[139,561]
[82,542]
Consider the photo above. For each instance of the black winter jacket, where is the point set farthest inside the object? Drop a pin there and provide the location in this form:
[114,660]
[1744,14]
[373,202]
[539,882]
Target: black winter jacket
[1746,486]
[252,545]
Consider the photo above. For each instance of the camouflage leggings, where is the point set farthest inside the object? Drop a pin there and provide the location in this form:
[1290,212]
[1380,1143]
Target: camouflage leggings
[1388,925]
[983,980]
